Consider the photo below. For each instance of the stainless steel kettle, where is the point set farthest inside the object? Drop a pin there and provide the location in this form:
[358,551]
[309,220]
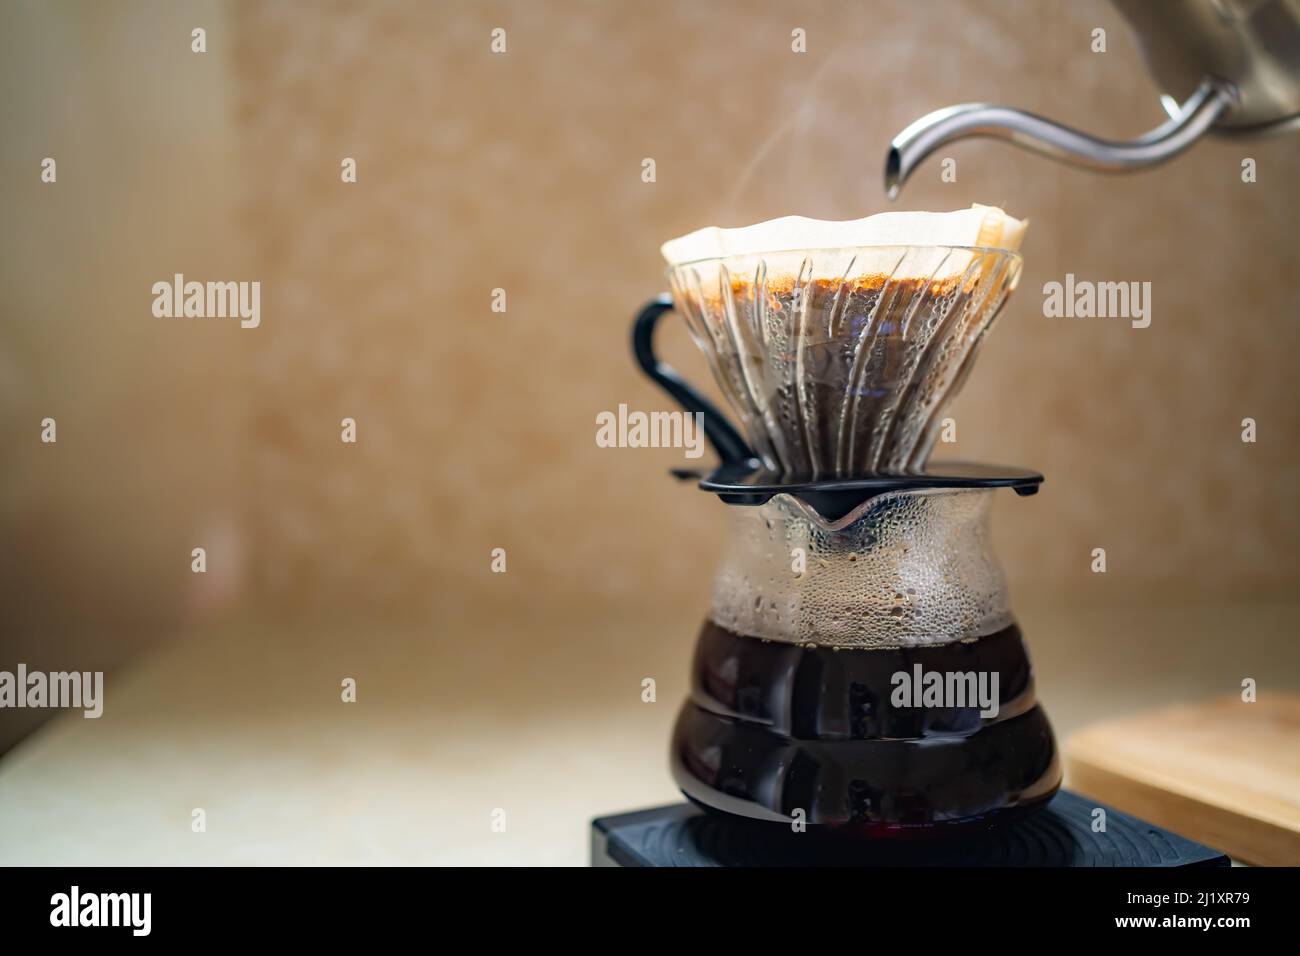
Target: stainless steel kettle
[1230,67]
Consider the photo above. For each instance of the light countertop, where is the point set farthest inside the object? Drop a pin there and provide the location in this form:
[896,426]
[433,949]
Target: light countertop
[458,718]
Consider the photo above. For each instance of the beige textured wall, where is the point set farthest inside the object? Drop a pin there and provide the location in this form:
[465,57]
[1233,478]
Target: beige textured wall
[522,171]
[96,529]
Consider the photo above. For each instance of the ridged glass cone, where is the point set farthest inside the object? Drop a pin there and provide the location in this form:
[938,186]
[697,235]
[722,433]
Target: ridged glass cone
[840,361]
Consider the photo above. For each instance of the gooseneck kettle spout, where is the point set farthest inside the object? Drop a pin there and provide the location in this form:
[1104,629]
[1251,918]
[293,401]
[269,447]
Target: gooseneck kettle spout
[1234,65]
[1030,131]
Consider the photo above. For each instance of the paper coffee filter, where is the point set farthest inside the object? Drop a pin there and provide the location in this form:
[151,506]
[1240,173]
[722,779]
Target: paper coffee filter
[986,226]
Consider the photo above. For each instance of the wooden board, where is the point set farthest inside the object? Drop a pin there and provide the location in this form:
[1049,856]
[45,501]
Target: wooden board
[1223,772]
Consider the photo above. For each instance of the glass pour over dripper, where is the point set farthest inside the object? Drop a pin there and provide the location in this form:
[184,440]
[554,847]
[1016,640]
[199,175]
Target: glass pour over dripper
[839,361]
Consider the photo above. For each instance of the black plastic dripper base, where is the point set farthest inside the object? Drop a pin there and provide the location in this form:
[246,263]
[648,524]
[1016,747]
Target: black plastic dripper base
[1060,834]
[745,483]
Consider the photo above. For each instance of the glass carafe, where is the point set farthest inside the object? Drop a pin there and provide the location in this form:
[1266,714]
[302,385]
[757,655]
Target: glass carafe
[864,672]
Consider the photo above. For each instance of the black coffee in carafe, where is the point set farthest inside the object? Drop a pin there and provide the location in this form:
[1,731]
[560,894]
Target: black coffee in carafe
[891,742]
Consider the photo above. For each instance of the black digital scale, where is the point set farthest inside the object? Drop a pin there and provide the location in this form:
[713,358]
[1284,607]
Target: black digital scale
[1062,834]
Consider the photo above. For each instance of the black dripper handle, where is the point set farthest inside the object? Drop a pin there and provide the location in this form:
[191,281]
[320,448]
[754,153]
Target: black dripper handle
[724,438]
